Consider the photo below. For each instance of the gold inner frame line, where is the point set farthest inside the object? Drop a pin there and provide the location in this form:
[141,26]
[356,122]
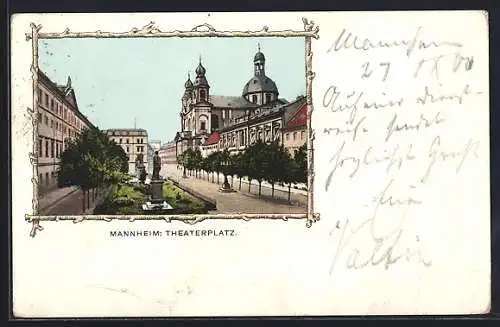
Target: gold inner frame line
[150,30]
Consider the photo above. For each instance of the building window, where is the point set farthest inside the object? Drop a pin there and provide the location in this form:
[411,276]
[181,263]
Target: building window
[294,136]
[127,142]
[40,147]
[40,118]
[121,141]
[52,148]
[39,95]
[128,148]
[46,102]
[47,148]
[302,133]
[138,149]
[254,98]
[46,120]
[202,95]
[47,181]
[268,97]
[40,182]
[203,125]
[52,104]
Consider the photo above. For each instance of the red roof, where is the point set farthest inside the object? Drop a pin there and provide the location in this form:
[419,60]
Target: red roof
[213,138]
[299,119]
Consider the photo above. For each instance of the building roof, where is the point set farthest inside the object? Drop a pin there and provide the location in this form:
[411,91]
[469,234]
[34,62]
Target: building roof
[263,112]
[127,131]
[67,94]
[293,107]
[230,101]
[260,84]
[297,119]
[213,138]
[259,56]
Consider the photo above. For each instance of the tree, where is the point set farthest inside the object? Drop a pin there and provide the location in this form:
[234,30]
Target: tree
[291,173]
[256,160]
[91,160]
[300,158]
[238,166]
[225,164]
[197,160]
[273,163]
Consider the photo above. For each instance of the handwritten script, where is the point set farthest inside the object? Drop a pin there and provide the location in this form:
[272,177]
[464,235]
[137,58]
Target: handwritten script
[378,126]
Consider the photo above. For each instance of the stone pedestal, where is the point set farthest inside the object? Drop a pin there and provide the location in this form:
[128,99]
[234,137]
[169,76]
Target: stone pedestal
[156,189]
[226,187]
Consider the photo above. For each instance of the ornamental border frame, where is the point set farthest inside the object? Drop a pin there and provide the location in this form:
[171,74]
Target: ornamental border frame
[151,30]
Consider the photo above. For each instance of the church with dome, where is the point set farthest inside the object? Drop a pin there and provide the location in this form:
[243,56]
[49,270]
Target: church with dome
[214,122]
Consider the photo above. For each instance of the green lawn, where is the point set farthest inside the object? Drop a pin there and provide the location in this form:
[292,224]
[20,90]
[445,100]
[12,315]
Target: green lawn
[125,199]
[181,201]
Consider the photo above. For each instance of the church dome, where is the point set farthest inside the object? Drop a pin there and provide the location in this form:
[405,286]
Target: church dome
[259,84]
[200,70]
[188,84]
[259,56]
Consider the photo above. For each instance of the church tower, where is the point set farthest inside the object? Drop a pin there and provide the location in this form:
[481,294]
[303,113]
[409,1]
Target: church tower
[259,63]
[199,118]
[201,84]
[186,102]
[260,89]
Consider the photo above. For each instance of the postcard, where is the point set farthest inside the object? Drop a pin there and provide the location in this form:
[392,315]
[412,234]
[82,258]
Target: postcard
[250,164]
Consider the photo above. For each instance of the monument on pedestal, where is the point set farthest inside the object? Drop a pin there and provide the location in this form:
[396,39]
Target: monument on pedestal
[157,201]
[226,187]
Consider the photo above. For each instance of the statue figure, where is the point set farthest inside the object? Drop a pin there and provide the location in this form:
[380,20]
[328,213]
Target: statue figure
[156,166]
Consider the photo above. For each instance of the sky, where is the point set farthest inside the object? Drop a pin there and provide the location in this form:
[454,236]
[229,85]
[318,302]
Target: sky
[139,82]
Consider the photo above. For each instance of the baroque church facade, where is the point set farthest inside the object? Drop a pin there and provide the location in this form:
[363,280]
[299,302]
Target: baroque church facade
[215,122]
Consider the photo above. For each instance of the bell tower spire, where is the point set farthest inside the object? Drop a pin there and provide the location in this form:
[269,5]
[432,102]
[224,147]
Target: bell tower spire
[259,62]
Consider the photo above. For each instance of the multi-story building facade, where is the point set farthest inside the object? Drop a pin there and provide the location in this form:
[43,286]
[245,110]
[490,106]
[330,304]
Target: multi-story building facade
[167,153]
[265,123]
[134,142]
[59,120]
[214,122]
[155,144]
[295,130]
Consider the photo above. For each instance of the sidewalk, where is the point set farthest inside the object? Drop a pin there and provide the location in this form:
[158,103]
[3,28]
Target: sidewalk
[53,197]
[94,203]
[297,197]
[234,202]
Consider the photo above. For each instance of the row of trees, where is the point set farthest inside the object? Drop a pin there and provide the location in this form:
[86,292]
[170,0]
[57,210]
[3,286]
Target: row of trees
[92,161]
[261,162]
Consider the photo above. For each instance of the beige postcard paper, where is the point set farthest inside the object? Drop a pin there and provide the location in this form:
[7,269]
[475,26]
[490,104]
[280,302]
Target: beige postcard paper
[229,164]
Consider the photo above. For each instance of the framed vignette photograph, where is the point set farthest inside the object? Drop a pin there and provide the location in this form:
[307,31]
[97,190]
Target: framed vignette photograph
[216,140]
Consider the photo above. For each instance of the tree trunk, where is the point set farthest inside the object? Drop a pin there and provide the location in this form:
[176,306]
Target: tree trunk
[83,200]
[260,188]
[240,184]
[249,184]
[218,176]
[289,191]
[272,190]
[88,199]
